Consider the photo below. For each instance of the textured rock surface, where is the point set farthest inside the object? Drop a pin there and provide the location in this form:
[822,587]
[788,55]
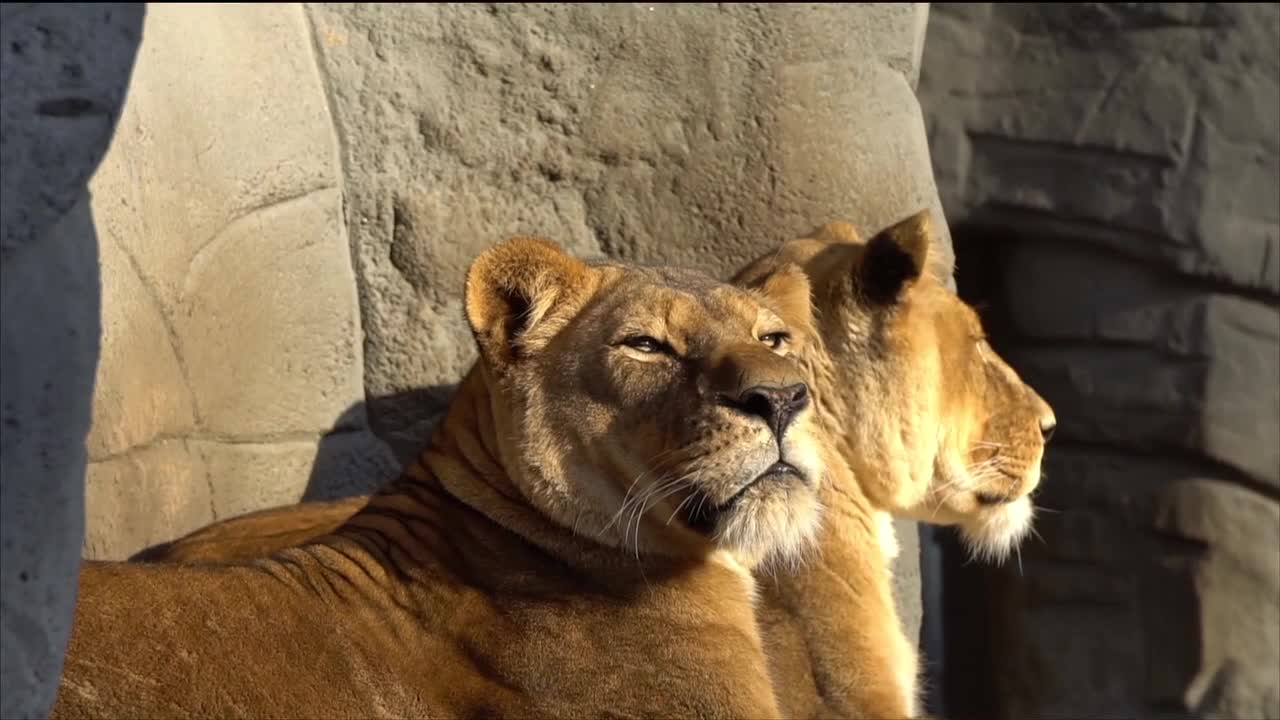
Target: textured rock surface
[690,133]
[695,133]
[231,328]
[63,73]
[1113,172]
[1158,120]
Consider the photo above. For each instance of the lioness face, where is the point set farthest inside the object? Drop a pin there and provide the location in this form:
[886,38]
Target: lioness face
[654,408]
[992,432]
[934,423]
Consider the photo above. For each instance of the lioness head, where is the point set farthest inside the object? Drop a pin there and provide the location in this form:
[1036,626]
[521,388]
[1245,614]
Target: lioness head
[936,425]
[653,408]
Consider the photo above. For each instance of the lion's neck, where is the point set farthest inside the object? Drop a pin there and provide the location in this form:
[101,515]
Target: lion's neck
[831,406]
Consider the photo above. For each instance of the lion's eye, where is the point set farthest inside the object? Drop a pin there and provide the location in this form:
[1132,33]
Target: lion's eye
[644,344]
[775,340]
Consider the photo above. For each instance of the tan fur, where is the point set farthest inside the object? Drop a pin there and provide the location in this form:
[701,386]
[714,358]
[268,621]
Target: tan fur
[911,385]
[554,551]
[257,534]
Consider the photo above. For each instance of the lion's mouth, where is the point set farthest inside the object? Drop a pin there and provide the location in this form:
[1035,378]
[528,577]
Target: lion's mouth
[703,514]
[991,499]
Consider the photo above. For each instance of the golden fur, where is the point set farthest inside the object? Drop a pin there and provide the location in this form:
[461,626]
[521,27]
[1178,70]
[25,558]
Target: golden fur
[257,534]
[929,414]
[574,542]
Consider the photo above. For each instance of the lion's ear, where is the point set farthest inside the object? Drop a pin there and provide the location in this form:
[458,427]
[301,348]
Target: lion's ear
[788,290]
[894,259]
[511,289]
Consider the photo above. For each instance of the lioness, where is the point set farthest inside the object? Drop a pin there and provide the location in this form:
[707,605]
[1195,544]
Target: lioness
[575,541]
[939,428]
[936,426]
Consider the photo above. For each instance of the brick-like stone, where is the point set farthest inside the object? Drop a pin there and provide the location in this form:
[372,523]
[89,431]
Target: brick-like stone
[230,309]
[1153,135]
[154,493]
[1118,164]
[253,476]
[1138,359]
[1159,578]
[272,346]
[145,392]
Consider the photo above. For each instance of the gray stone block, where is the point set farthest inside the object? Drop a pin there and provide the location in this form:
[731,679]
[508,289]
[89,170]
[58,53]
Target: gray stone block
[62,80]
[1134,357]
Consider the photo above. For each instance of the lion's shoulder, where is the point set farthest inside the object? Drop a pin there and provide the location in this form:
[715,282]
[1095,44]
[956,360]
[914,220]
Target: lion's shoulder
[257,534]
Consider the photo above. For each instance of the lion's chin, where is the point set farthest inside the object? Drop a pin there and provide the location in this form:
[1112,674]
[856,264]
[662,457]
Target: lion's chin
[993,533]
[773,523]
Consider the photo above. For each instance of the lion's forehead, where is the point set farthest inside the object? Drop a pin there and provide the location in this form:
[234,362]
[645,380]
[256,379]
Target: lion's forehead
[685,300]
[665,277]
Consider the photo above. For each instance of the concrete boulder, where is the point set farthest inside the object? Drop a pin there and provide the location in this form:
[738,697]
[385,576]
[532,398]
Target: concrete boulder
[231,331]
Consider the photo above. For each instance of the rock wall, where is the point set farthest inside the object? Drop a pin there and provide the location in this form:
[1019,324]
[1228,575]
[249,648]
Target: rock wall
[1112,175]
[294,192]
[688,133]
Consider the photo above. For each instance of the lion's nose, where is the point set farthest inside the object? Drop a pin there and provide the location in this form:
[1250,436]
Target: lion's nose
[1048,420]
[777,405]
[1047,427]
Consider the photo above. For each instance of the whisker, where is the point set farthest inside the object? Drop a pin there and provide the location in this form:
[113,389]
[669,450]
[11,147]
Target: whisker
[696,481]
[1035,533]
[942,502]
[628,501]
[656,463]
[675,512]
[661,492]
[983,465]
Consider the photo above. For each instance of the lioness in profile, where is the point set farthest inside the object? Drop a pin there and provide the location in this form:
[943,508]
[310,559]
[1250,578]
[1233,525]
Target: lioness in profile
[937,425]
[934,424]
[575,541]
